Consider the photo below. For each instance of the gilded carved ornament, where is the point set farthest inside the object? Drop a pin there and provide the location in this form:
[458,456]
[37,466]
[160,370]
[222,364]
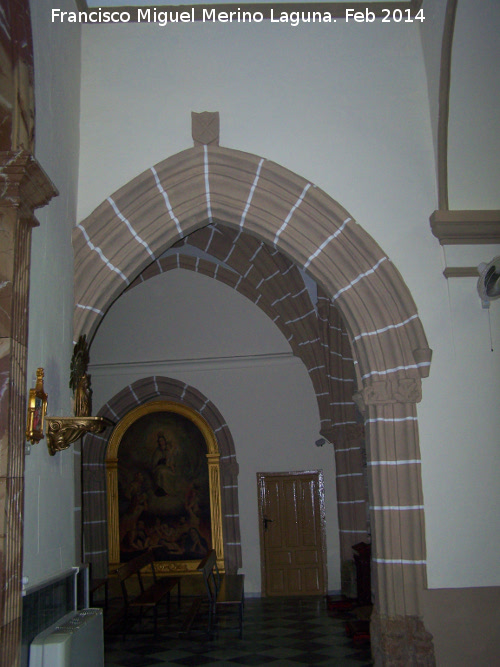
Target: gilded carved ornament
[25,185]
[63,431]
[37,407]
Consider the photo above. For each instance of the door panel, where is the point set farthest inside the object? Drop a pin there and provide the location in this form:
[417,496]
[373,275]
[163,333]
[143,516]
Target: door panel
[292,531]
[306,557]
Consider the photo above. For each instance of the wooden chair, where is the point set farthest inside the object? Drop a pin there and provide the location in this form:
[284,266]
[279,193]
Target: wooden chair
[223,591]
[151,596]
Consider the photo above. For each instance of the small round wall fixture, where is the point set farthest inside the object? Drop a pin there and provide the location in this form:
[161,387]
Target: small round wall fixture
[488,285]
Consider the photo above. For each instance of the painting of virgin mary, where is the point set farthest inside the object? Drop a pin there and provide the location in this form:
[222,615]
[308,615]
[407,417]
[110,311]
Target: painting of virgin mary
[163,488]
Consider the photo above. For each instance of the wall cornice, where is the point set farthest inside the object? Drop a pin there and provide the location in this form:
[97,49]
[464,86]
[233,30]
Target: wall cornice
[24,184]
[466,227]
[154,367]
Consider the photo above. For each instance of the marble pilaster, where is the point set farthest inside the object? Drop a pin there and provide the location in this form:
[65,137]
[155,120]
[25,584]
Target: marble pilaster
[24,187]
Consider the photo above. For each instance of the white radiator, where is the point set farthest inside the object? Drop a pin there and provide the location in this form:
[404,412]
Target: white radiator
[76,640]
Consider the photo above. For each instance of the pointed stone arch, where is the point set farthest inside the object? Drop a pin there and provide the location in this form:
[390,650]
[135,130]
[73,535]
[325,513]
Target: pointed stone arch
[202,185]
[208,184]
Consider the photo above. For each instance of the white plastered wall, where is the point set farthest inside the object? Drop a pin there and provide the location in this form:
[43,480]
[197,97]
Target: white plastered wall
[346,107]
[49,490]
[196,330]
[468,368]
[474,123]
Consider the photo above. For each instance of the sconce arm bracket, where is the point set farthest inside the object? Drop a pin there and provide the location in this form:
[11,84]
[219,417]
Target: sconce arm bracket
[63,431]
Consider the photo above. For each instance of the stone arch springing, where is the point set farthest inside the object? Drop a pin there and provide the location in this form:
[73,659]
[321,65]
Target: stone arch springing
[209,184]
[94,467]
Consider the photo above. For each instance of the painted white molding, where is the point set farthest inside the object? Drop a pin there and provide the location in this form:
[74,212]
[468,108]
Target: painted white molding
[167,366]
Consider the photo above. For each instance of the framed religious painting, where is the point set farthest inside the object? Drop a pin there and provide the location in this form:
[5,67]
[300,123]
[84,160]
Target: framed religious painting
[163,488]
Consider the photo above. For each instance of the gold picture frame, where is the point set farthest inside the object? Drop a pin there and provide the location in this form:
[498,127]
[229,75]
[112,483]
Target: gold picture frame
[37,409]
[163,488]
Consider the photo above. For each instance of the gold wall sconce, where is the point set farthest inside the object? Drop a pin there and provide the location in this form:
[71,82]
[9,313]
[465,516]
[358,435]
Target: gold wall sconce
[37,408]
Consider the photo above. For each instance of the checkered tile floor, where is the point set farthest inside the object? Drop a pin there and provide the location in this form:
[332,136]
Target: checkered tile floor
[284,631]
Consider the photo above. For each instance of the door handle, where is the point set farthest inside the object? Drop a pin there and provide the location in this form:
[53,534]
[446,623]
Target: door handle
[266,522]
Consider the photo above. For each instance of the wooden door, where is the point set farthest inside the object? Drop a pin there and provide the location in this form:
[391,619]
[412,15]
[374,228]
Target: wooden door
[292,533]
